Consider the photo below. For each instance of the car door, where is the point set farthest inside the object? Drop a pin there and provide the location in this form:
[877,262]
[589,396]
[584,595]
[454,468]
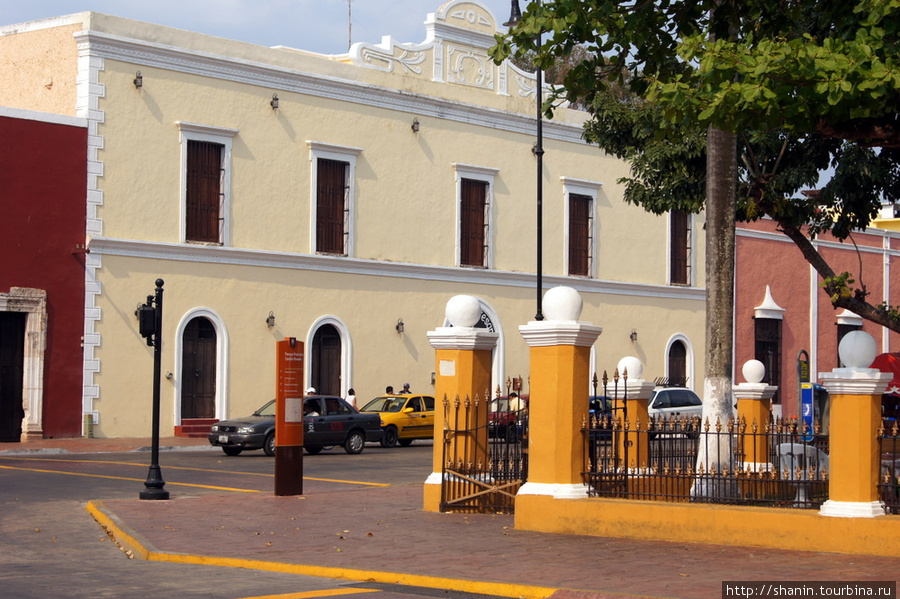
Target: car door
[416,422]
[316,432]
[339,418]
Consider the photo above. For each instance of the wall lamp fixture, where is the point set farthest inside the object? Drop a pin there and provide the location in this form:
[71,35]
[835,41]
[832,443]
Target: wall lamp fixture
[274,102]
[415,125]
[270,320]
[138,80]
[399,326]
[633,335]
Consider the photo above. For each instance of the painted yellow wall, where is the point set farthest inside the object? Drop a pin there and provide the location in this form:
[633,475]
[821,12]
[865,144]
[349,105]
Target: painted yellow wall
[405,214]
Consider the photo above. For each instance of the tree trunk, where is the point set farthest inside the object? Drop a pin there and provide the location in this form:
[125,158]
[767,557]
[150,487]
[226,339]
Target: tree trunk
[721,170]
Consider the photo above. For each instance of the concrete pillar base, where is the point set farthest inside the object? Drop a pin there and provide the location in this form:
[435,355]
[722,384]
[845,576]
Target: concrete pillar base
[852,509]
[557,491]
[431,493]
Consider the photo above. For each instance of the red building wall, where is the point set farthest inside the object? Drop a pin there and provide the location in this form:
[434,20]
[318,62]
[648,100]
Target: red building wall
[43,190]
[766,257]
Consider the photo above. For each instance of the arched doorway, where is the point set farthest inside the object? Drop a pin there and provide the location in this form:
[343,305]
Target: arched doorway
[325,361]
[198,369]
[677,365]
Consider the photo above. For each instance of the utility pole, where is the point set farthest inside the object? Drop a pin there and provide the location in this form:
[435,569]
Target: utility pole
[349,24]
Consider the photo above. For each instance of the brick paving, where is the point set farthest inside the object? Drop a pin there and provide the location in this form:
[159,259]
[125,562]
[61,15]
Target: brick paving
[385,530]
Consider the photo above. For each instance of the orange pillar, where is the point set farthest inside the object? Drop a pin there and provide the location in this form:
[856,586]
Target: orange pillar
[558,400]
[854,459]
[462,370]
[754,401]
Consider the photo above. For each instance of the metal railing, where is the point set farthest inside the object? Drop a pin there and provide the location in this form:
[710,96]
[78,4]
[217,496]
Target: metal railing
[889,480]
[782,463]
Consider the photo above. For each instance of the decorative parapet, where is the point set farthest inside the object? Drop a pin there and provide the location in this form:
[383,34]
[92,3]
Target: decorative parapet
[455,51]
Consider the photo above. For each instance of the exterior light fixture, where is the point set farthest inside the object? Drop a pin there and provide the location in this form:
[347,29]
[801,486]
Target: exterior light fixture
[633,335]
[399,326]
[270,320]
[274,102]
[138,80]
[415,125]
[515,16]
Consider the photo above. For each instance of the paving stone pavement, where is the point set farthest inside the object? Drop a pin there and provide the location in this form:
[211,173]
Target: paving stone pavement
[383,534]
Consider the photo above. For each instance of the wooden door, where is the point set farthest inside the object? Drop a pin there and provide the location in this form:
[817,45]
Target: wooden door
[198,370]
[326,361]
[12,357]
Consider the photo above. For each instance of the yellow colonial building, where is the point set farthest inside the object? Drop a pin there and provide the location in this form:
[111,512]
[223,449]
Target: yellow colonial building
[340,200]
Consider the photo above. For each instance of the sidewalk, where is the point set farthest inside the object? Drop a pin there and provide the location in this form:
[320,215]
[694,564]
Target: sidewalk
[382,537]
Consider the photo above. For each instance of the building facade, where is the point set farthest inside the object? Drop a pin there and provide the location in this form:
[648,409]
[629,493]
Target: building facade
[43,182]
[339,200]
[781,313]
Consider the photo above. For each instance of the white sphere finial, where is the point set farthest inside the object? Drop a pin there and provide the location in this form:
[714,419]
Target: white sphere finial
[562,303]
[634,367]
[463,311]
[754,371]
[857,349]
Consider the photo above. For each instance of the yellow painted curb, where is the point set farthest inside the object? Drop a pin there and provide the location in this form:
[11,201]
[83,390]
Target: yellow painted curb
[134,546]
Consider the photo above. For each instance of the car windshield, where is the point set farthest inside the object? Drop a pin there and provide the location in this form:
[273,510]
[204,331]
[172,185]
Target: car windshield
[267,410]
[384,404]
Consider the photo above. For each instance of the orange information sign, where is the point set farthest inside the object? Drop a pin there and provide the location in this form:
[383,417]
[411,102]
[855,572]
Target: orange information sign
[289,394]
[289,417]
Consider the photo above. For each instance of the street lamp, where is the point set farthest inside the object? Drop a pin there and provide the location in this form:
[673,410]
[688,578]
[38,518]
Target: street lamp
[149,317]
[515,15]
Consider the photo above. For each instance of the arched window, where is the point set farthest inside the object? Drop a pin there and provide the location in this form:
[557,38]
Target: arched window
[677,365]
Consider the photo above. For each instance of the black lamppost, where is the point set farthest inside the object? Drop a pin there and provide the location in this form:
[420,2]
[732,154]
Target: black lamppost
[149,317]
[515,15]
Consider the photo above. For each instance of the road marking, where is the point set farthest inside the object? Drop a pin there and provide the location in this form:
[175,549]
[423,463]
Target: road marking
[327,480]
[128,479]
[322,593]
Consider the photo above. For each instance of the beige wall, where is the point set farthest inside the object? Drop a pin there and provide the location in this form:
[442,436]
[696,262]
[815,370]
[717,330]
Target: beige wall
[405,212]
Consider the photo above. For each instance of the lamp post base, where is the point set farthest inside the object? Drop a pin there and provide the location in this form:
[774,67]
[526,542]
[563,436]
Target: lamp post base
[154,485]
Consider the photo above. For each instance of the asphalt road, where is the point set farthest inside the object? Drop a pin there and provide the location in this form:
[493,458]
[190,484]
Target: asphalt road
[51,547]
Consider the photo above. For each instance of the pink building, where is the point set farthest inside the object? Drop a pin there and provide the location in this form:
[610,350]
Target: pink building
[796,315]
[43,182]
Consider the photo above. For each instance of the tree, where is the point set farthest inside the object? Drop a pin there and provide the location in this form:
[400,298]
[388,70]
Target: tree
[797,87]
[805,87]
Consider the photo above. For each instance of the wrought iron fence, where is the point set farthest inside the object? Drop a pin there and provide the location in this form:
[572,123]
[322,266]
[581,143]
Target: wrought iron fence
[889,481]
[485,457]
[782,463]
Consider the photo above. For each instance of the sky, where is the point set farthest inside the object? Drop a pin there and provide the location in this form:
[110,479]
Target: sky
[313,25]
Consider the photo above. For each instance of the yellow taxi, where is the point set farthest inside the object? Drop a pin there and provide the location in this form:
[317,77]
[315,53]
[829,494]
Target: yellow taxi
[404,418]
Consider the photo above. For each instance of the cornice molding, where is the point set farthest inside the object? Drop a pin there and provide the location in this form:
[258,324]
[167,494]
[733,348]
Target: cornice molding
[100,246]
[149,54]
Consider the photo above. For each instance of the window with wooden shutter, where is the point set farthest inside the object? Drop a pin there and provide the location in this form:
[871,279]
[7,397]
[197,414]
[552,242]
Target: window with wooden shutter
[473,222]
[767,338]
[580,226]
[679,248]
[204,193]
[331,206]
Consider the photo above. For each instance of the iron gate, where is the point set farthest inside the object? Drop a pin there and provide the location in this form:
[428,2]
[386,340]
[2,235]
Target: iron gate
[485,456]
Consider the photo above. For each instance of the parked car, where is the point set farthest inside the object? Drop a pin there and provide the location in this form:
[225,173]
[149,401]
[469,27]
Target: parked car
[403,418]
[329,421]
[675,401]
[507,416]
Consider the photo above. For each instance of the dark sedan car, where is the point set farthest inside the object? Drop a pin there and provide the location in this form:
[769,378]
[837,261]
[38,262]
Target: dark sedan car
[328,421]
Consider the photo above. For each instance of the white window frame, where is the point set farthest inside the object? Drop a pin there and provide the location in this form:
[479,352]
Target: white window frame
[222,136]
[347,154]
[486,175]
[590,189]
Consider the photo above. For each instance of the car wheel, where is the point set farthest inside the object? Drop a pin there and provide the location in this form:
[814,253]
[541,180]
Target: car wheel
[269,445]
[232,450]
[390,437]
[405,442]
[313,450]
[355,442]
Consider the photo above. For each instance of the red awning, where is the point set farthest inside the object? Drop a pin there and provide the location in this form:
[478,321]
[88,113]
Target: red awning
[889,363]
